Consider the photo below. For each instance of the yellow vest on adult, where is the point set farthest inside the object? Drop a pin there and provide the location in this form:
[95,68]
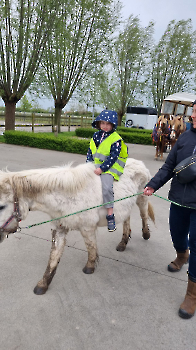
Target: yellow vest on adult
[103,151]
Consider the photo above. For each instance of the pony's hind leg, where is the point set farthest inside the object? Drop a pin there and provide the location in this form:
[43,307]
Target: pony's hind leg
[142,202]
[58,244]
[91,245]
[125,237]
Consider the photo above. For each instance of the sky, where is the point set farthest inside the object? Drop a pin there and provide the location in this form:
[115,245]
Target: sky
[160,11]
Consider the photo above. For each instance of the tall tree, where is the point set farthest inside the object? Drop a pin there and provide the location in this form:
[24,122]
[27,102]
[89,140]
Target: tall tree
[25,105]
[77,41]
[124,80]
[24,27]
[173,61]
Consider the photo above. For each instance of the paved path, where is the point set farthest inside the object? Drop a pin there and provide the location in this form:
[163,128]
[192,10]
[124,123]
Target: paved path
[129,303]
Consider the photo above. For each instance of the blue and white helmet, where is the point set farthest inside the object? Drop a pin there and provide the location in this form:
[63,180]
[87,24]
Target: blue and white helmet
[107,116]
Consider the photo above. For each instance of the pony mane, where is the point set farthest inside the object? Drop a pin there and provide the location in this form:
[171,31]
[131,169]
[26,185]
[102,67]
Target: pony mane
[66,177]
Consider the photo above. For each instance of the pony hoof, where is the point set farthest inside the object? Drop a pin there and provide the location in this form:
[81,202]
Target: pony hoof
[120,247]
[146,235]
[40,291]
[88,270]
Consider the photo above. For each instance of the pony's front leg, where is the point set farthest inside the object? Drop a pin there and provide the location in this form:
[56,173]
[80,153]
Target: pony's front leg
[157,150]
[142,202]
[161,150]
[89,235]
[58,244]
[162,147]
[125,237]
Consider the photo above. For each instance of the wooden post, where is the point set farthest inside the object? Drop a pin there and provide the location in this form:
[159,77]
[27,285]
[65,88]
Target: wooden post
[55,128]
[52,123]
[69,122]
[33,120]
[81,121]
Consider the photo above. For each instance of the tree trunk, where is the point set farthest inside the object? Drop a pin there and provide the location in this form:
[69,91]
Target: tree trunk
[120,115]
[57,117]
[10,108]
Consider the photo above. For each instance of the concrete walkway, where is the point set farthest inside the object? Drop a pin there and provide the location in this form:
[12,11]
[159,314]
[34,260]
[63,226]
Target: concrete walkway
[131,301]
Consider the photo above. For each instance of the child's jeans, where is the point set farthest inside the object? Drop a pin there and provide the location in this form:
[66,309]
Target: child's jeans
[107,189]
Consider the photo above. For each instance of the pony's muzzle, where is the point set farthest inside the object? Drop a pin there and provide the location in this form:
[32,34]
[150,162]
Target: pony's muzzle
[2,235]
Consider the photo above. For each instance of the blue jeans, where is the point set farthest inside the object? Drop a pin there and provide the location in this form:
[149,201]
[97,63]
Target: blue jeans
[182,223]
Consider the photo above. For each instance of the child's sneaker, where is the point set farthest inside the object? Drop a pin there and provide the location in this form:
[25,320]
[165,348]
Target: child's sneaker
[111,222]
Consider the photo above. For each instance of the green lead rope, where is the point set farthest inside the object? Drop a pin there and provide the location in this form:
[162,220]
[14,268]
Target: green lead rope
[101,205]
[81,211]
[168,200]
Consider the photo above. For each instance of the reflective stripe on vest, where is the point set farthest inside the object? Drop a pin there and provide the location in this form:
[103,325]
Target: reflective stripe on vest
[103,152]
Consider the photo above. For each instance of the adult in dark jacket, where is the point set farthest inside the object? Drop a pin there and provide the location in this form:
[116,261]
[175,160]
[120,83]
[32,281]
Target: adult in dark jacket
[182,218]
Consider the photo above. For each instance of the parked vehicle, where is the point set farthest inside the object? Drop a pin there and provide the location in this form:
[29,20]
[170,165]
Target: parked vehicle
[141,117]
[179,103]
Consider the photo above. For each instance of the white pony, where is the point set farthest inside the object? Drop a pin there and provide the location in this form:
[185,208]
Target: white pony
[63,190]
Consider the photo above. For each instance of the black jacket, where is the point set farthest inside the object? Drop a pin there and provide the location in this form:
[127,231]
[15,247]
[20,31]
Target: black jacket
[184,194]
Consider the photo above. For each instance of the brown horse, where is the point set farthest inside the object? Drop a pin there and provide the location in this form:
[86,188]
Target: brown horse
[163,132]
[178,126]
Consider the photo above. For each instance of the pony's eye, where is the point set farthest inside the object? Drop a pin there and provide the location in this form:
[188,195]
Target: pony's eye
[2,207]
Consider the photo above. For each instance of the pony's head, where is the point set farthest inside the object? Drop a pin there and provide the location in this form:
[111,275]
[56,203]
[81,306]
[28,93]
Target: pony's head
[179,123]
[177,127]
[161,123]
[10,208]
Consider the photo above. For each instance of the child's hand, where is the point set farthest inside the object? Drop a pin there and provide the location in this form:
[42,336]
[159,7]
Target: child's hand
[98,171]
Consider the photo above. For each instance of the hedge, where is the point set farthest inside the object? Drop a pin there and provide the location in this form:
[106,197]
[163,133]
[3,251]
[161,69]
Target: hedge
[69,144]
[134,130]
[143,139]
[59,143]
[85,132]
[2,138]
[136,136]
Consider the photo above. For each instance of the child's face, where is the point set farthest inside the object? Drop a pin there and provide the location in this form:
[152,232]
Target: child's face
[105,126]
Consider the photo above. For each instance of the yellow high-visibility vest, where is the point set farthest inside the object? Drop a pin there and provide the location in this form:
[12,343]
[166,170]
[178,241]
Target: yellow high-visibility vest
[103,151]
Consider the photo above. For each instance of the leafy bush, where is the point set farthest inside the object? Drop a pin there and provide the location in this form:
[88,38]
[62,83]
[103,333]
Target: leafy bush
[84,132]
[140,138]
[40,140]
[133,130]
[69,144]
[2,139]
[129,135]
